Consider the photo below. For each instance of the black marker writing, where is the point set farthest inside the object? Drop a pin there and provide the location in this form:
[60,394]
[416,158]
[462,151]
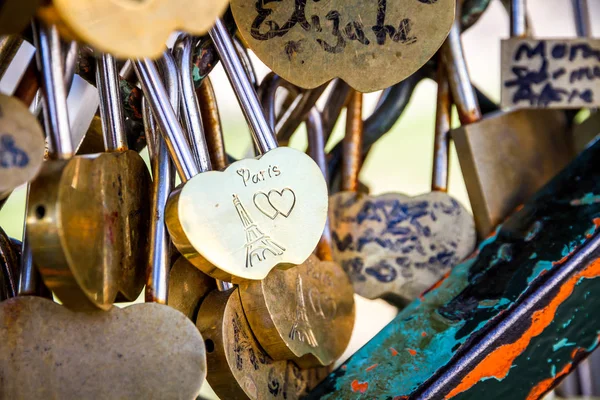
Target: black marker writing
[340,30]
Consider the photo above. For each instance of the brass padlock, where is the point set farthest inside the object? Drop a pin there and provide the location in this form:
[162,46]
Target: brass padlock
[87,216]
[290,191]
[505,157]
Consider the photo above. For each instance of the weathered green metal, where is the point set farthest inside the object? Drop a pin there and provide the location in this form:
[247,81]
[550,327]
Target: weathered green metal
[510,321]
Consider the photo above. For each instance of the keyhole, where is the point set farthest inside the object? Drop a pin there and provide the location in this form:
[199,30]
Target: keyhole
[40,212]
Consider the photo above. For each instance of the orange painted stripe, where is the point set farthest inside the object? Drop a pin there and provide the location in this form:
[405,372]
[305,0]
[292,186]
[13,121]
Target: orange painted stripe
[497,363]
[542,387]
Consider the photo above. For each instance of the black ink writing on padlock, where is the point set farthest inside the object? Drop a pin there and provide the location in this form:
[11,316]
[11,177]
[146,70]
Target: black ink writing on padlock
[10,155]
[550,82]
[341,31]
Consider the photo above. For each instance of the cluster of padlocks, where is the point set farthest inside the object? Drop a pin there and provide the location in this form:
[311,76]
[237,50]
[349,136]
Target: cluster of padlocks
[250,267]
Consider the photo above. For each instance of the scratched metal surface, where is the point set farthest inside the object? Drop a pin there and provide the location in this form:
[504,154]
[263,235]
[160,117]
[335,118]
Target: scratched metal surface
[510,321]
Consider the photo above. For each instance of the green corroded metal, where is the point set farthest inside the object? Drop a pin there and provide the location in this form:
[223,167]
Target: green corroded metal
[507,323]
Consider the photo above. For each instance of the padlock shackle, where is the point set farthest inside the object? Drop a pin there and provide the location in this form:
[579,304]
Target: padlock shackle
[583,24]
[165,116]
[443,122]
[267,93]
[190,108]
[50,64]
[463,93]
[518,18]
[352,143]
[261,131]
[111,109]
[163,181]
[316,147]
[211,121]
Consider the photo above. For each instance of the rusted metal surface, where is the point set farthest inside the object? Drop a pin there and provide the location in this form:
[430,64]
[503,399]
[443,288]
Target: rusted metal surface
[509,322]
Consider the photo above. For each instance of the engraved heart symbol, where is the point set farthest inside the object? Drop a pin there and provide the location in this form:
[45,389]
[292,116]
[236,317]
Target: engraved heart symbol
[222,215]
[396,246]
[276,202]
[283,201]
[261,201]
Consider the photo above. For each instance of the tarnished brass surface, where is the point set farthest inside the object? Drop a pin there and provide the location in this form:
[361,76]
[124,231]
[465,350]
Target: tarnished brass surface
[395,246]
[21,145]
[187,287]
[129,29]
[237,367]
[145,351]
[370,45]
[87,220]
[304,314]
[550,73]
[15,16]
[93,140]
[256,215]
[505,158]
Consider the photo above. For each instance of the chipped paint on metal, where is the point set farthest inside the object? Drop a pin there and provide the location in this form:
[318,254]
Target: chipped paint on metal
[499,361]
[464,310]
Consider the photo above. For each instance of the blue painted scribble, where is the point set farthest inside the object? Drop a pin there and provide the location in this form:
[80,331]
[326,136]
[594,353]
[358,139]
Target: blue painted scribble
[10,155]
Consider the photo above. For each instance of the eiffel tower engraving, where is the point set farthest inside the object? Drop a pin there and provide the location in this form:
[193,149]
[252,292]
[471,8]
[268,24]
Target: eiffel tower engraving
[257,243]
[301,329]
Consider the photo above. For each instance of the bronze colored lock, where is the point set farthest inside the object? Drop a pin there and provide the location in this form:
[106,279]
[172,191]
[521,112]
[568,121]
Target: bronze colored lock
[238,368]
[87,216]
[505,157]
[311,42]
[131,29]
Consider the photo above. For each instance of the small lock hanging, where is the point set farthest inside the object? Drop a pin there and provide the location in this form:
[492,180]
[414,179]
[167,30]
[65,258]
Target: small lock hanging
[273,208]
[505,157]
[304,314]
[548,73]
[87,216]
[310,42]
[394,246]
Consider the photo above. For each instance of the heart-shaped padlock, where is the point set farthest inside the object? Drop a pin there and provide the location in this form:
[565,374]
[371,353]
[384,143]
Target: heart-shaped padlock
[394,246]
[369,44]
[255,215]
